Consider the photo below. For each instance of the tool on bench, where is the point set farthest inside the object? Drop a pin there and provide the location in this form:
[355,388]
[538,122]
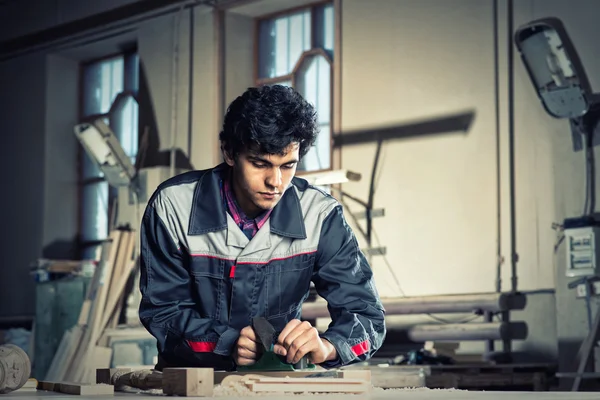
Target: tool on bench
[270,361]
[139,379]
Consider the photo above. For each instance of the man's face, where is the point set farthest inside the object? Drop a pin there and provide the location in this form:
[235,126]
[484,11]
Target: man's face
[260,179]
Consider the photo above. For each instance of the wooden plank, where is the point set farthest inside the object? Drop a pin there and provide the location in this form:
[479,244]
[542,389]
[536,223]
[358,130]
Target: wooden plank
[115,290]
[220,375]
[307,381]
[76,369]
[119,286]
[310,385]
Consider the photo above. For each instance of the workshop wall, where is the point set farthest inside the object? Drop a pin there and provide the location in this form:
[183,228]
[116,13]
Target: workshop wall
[439,193]
[23,162]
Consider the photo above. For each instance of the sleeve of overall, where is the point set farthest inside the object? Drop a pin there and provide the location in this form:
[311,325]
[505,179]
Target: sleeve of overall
[167,309]
[344,279]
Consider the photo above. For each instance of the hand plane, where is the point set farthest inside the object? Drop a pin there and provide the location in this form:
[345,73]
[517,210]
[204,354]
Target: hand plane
[269,361]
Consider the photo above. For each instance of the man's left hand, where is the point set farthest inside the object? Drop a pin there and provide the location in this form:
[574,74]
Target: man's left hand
[299,339]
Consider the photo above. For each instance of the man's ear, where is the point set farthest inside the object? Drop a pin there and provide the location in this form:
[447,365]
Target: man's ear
[228,159]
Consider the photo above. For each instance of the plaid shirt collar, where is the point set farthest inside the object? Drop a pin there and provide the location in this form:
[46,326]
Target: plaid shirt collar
[248,225]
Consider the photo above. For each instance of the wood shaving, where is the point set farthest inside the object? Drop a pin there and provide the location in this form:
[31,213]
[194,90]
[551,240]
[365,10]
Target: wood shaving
[239,389]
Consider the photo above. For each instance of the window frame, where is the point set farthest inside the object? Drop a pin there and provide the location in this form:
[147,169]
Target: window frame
[128,75]
[314,51]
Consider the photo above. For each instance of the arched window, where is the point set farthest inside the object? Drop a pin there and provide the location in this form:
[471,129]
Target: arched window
[104,83]
[296,49]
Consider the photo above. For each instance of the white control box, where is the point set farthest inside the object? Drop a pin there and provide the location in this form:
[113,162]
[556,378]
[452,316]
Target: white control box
[583,245]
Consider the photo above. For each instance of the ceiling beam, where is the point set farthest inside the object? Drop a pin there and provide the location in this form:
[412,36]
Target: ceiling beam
[99,22]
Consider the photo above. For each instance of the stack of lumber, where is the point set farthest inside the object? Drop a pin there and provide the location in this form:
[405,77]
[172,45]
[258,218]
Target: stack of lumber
[83,348]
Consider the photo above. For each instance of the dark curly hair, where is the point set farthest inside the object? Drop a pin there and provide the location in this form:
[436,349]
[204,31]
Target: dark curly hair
[268,119]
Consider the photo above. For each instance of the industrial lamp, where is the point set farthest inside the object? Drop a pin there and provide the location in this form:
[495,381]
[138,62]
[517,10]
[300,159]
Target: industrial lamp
[102,145]
[554,68]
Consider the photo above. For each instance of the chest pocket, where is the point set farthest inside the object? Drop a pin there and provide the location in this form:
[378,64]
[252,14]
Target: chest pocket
[287,282]
[208,275]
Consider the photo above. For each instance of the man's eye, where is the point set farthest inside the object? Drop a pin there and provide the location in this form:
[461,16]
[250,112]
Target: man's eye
[258,165]
[288,166]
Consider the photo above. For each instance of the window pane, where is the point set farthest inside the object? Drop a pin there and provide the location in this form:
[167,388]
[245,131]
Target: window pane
[266,49]
[94,211]
[281,42]
[314,83]
[324,27]
[124,122]
[299,38]
[102,82]
[282,45]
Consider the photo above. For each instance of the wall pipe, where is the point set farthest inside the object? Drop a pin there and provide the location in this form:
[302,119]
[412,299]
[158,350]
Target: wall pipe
[463,303]
[511,151]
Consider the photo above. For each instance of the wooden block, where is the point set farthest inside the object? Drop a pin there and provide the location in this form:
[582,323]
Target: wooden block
[31,384]
[46,385]
[76,388]
[364,374]
[198,382]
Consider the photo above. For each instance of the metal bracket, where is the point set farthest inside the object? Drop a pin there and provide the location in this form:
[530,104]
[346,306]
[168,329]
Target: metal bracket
[584,126]
[377,212]
[375,251]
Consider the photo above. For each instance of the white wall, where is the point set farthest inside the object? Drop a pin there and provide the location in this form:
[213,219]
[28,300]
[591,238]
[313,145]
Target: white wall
[439,193]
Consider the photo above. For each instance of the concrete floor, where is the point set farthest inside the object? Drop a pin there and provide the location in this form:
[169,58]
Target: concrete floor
[401,394]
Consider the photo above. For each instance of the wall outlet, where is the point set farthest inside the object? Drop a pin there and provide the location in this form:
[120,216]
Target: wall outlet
[581,289]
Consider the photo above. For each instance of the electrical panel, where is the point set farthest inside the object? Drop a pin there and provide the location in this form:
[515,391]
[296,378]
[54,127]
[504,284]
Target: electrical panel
[583,246]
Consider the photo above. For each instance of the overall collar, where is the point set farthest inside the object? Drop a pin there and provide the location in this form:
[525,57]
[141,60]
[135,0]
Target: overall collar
[286,218]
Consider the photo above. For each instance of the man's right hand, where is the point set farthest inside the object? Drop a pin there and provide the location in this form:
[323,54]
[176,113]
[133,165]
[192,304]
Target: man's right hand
[247,347]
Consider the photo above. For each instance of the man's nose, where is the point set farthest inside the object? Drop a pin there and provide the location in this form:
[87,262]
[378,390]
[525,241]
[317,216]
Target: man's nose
[274,177]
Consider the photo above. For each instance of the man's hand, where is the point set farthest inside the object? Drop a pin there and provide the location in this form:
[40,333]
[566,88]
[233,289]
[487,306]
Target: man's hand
[299,339]
[247,347]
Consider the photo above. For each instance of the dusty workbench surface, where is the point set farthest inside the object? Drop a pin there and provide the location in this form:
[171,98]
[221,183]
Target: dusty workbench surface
[402,394]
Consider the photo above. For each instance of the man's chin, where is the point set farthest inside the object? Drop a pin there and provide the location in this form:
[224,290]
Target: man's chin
[266,205]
